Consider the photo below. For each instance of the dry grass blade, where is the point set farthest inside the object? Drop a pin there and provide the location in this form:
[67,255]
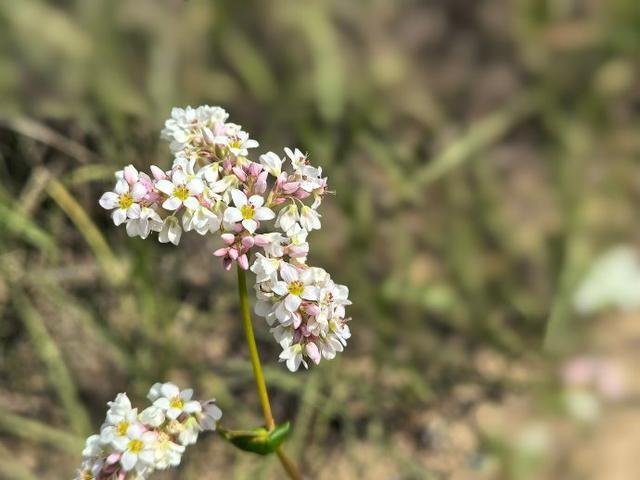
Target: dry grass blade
[480,135]
[112,268]
[50,355]
[35,431]
[41,133]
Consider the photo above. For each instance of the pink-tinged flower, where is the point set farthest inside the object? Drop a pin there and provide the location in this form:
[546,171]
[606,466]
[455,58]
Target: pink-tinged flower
[235,251]
[181,190]
[247,211]
[123,200]
[210,415]
[294,287]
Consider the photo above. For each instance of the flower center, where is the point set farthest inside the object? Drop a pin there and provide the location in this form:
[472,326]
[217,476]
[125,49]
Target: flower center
[125,201]
[136,446]
[181,192]
[122,428]
[296,288]
[87,476]
[235,143]
[247,212]
[176,403]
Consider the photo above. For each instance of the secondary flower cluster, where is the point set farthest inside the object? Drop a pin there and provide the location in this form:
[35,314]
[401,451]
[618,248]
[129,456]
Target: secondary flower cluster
[132,445]
[212,187]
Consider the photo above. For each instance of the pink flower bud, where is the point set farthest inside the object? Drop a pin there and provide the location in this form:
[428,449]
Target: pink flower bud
[312,351]
[261,240]
[158,173]
[247,242]
[296,251]
[221,252]
[228,238]
[226,263]
[297,319]
[254,169]
[130,174]
[243,261]
[290,187]
[240,174]
[233,253]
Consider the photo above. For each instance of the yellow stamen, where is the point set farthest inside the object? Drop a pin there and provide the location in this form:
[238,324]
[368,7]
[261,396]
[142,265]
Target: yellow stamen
[247,212]
[296,288]
[181,192]
[122,428]
[125,201]
[177,403]
[135,446]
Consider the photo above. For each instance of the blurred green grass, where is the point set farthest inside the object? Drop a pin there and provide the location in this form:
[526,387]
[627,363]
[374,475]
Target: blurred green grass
[482,154]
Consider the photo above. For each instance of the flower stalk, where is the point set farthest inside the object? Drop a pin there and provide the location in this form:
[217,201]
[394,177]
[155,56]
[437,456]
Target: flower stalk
[287,463]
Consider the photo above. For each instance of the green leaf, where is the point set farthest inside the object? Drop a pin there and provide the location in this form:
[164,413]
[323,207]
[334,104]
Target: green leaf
[258,440]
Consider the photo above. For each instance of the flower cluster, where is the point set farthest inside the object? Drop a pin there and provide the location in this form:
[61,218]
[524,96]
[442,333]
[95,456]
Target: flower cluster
[133,444]
[266,207]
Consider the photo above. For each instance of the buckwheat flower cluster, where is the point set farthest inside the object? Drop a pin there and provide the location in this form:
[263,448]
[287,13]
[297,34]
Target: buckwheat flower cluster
[131,444]
[261,209]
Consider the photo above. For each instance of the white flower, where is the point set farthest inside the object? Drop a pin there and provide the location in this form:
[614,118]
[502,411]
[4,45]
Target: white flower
[247,211]
[190,431]
[298,159]
[272,163]
[240,143]
[266,310]
[211,413]
[272,243]
[152,416]
[137,449]
[293,357]
[167,453]
[309,219]
[113,431]
[93,447]
[265,268]
[294,287]
[148,221]
[287,217]
[181,190]
[123,200]
[202,220]
[89,469]
[175,402]
[170,231]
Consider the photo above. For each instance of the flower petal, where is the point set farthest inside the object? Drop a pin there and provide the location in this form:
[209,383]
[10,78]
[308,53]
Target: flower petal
[172,203]
[165,186]
[256,201]
[109,200]
[292,302]
[250,225]
[263,213]
[232,215]
[129,460]
[288,272]
[239,198]
[119,216]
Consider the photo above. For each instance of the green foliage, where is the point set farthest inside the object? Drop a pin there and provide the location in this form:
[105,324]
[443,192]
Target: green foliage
[259,440]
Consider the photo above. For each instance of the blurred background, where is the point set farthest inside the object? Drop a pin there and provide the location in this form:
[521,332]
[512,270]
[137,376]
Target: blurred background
[485,158]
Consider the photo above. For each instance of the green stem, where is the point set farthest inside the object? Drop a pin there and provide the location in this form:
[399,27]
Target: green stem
[286,462]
